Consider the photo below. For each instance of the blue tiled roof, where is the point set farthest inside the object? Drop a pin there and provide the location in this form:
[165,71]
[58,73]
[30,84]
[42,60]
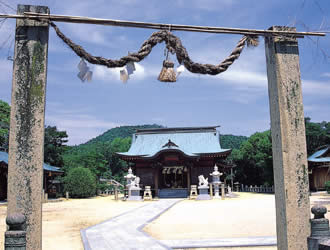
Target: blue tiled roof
[317,156]
[4,158]
[190,141]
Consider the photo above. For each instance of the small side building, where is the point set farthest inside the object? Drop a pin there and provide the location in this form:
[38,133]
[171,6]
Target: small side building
[171,159]
[50,184]
[319,168]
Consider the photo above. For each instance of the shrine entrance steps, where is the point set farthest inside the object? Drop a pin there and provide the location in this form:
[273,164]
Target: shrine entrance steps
[173,193]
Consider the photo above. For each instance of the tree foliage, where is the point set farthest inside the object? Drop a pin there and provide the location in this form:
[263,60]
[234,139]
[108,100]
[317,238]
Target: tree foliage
[121,132]
[100,158]
[80,183]
[232,141]
[254,160]
[54,146]
[4,125]
[317,134]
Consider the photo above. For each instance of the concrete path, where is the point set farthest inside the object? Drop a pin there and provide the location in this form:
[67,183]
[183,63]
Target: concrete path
[125,230]
[222,242]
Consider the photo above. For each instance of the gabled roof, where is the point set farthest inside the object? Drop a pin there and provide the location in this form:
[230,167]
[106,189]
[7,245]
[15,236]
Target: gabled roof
[46,167]
[192,142]
[322,155]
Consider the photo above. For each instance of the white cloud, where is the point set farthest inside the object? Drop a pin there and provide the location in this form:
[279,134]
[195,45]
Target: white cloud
[245,79]
[79,126]
[327,74]
[209,5]
[312,87]
[103,73]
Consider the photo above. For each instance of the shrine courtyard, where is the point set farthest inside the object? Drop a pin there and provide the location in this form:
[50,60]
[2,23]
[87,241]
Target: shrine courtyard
[248,215]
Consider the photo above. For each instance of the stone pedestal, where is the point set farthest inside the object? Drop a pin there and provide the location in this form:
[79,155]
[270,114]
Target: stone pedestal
[15,236]
[193,192]
[319,228]
[216,190]
[147,194]
[203,193]
[134,194]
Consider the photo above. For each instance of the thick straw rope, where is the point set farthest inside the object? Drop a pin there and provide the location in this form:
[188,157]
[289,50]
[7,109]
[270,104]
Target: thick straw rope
[173,44]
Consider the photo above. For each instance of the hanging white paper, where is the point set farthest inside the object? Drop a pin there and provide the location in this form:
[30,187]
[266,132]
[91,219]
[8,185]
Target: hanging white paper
[179,70]
[130,67]
[84,72]
[123,75]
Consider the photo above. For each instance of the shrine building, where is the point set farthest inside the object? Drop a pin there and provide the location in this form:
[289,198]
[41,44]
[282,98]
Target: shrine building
[50,184]
[319,168]
[171,159]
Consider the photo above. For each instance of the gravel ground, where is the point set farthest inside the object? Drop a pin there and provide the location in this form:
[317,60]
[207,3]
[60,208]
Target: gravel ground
[62,221]
[247,215]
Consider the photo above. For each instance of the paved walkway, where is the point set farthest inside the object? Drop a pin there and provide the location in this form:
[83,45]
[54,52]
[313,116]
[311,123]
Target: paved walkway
[125,232]
[222,242]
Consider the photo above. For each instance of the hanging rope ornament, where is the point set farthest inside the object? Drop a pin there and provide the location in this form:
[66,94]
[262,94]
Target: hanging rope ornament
[167,74]
[173,44]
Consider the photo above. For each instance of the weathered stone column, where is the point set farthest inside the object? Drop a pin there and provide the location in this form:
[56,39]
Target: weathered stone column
[26,143]
[288,141]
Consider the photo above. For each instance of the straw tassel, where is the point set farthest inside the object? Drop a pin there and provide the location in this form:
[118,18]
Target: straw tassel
[167,74]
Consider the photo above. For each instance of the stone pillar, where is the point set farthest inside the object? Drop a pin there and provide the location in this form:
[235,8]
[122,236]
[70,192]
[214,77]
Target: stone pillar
[211,190]
[288,141]
[223,191]
[26,154]
[188,179]
[116,192]
[156,173]
[67,195]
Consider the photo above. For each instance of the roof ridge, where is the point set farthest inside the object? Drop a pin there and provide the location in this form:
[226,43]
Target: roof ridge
[177,129]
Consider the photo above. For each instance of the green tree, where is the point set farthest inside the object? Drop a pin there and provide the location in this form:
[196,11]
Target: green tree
[118,166]
[54,146]
[4,125]
[254,160]
[80,183]
[317,134]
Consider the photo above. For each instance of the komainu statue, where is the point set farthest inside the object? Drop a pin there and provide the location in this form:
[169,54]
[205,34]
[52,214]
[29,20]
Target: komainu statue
[202,181]
[136,182]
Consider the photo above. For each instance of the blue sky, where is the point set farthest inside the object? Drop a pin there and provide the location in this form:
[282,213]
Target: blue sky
[237,99]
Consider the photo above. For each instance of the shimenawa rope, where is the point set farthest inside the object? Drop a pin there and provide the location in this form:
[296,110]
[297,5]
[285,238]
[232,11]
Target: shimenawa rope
[173,44]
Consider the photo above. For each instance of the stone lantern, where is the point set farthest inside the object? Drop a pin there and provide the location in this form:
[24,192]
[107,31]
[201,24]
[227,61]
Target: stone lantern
[216,181]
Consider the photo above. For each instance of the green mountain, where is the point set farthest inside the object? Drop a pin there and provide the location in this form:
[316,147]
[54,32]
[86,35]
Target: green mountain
[227,141]
[232,141]
[122,132]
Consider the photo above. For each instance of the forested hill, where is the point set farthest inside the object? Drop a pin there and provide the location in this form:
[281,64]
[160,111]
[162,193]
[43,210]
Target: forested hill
[232,141]
[121,132]
[227,141]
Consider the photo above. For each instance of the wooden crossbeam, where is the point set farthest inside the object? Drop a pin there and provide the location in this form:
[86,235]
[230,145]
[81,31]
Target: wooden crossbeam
[160,26]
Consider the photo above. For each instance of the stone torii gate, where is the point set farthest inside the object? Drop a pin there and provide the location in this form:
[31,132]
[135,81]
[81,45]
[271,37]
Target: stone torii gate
[27,132]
